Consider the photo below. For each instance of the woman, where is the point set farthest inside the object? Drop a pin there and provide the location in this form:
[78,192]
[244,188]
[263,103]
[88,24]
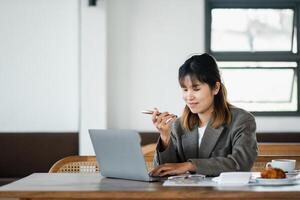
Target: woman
[211,136]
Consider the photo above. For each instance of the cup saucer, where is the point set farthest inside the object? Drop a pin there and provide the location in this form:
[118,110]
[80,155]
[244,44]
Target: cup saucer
[292,173]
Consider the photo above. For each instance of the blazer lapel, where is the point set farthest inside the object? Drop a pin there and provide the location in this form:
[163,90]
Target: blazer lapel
[209,140]
[190,144]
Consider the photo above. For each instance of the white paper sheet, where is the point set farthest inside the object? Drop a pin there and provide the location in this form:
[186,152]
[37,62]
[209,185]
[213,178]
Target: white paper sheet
[203,182]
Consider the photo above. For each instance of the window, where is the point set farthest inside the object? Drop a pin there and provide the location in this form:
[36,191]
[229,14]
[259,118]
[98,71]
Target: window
[255,43]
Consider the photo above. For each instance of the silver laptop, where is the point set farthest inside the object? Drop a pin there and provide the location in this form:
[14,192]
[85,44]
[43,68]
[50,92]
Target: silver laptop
[119,154]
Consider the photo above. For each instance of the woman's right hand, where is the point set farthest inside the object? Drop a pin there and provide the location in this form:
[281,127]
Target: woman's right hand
[162,121]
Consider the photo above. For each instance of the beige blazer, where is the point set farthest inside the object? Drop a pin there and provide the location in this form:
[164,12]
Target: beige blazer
[230,147]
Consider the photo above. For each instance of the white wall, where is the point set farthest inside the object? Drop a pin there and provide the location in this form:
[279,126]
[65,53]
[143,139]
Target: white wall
[92,72]
[278,124]
[53,67]
[39,65]
[147,42]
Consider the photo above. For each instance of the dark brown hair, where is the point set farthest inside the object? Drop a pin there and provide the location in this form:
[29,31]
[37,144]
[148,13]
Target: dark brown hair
[204,68]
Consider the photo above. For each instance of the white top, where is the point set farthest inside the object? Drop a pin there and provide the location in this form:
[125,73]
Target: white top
[201,133]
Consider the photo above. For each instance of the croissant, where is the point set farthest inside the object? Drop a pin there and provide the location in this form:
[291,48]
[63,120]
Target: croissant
[272,173]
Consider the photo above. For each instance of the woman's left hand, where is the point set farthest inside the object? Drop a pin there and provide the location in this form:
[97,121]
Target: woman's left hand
[173,169]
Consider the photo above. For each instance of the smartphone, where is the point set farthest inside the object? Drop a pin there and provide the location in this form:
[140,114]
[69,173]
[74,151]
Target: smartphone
[149,112]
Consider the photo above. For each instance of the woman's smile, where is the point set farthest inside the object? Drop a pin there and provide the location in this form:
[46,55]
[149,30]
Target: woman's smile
[192,104]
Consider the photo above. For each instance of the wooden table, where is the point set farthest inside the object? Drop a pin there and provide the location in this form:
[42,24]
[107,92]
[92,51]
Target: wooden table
[92,186]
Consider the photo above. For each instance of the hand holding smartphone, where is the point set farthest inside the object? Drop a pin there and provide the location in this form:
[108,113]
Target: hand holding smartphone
[161,120]
[150,112]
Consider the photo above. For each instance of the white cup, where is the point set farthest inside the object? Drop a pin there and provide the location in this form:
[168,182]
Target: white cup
[284,164]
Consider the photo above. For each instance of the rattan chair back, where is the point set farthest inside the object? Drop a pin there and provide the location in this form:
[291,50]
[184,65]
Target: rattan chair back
[89,164]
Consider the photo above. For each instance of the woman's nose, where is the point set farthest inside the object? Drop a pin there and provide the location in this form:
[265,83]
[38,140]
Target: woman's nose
[190,96]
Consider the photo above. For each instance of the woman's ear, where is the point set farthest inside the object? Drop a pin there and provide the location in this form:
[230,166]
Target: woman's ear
[216,88]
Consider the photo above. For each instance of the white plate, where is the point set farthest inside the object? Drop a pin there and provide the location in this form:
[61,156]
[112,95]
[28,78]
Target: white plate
[279,181]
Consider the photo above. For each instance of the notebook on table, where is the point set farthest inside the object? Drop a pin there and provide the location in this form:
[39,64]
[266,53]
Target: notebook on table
[120,155]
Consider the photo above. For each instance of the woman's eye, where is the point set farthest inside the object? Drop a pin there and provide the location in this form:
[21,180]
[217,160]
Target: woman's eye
[196,89]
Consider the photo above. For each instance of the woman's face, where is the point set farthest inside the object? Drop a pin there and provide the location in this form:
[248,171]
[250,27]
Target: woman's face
[198,96]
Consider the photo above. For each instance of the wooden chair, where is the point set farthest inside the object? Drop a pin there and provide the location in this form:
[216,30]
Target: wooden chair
[89,164]
[75,164]
[279,149]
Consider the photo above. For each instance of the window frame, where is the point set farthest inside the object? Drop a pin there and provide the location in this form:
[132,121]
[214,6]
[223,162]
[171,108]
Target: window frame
[267,56]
